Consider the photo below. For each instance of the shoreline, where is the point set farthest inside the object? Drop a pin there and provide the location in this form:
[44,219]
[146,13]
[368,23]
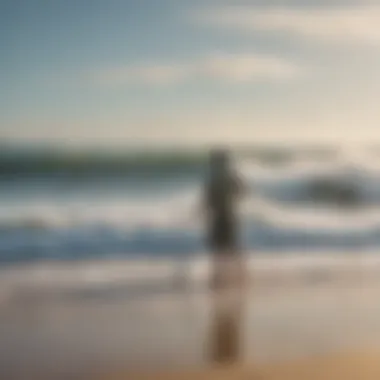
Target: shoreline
[281,325]
[288,319]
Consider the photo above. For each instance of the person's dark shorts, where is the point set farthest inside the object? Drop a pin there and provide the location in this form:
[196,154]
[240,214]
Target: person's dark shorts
[222,235]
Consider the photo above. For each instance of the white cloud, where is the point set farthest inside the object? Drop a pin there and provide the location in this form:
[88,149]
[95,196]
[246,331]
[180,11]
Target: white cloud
[145,74]
[352,24]
[232,68]
[247,67]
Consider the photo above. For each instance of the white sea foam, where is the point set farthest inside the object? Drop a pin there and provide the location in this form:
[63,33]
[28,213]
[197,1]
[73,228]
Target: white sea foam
[173,212]
[124,212]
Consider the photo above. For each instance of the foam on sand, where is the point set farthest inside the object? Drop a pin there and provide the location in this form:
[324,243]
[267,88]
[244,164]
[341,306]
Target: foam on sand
[146,275]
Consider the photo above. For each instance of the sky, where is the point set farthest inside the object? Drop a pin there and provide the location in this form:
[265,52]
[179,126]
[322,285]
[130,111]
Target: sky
[189,72]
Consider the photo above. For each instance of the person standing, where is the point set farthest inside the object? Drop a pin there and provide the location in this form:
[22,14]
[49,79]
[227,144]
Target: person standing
[222,191]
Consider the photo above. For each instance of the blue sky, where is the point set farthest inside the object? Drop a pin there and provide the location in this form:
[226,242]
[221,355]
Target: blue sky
[189,72]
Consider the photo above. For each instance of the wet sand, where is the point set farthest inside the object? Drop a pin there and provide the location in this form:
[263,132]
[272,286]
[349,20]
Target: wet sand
[304,326]
[324,355]
[349,366]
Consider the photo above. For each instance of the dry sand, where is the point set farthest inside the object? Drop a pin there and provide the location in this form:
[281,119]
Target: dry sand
[352,366]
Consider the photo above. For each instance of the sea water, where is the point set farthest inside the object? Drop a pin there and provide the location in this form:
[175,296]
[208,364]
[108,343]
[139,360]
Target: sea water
[52,217]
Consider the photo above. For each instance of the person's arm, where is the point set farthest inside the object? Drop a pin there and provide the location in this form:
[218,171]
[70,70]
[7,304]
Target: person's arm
[203,206]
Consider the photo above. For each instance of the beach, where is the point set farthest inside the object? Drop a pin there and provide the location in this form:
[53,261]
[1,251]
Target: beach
[313,352]
[94,334]
[108,273]
[142,143]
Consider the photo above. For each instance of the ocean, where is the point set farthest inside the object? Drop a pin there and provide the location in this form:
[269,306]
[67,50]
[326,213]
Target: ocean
[149,214]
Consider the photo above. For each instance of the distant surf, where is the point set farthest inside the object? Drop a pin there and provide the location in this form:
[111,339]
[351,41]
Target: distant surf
[48,216]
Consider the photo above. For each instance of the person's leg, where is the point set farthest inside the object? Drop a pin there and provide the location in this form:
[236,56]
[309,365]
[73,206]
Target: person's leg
[227,269]
[227,304]
[216,270]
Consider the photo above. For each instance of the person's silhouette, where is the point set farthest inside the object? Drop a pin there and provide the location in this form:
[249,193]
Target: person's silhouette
[222,191]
